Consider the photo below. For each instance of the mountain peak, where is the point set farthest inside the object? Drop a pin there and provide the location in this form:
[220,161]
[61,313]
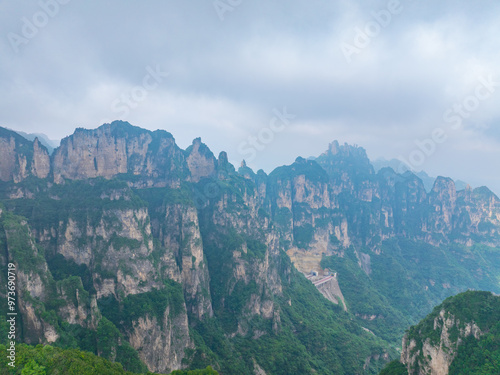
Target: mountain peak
[49,144]
[345,158]
[121,128]
[445,183]
[346,149]
[333,147]
[119,148]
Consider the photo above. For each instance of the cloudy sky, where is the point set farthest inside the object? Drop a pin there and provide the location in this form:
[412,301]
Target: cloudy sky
[266,80]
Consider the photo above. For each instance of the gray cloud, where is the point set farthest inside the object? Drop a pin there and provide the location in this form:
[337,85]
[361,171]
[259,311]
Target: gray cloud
[226,77]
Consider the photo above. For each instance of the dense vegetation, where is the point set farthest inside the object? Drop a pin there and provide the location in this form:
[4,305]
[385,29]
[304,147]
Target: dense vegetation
[472,356]
[482,308]
[312,335]
[394,368]
[50,360]
[408,278]
[131,308]
[478,357]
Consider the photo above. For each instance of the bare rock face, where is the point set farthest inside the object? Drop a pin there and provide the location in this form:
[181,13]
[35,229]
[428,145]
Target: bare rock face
[36,288]
[8,159]
[443,199]
[200,160]
[435,357]
[226,244]
[182,241]
[20,158]
[41,160]
[89,154]
[161,346]
[314,194]
[345,164]
[299,195]
[119,244]
[120,148]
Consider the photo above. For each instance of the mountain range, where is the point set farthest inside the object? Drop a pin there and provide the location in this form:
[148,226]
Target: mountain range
[160,258]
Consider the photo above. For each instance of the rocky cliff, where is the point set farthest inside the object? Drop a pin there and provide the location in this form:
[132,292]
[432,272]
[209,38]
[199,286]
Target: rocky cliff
[120,148]
[177,259]
[439,344]
[21,158]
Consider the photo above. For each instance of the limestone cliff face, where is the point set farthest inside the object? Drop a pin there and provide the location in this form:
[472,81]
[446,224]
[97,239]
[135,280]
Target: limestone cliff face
[442,199]
[348,167]
[119,244]
[484,213]
[20,158]
[9,162]
[322,207]
[339,187]
[180,236]
[432,357]
[161,346]
[79,308]
[391,204]
[37,288]
[112,240]
[200,160]
[305,210]
[40,166]
[120,148]
[243,253]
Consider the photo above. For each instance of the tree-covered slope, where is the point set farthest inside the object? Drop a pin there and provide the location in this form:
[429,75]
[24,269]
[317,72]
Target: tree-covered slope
[461,336]
[408,278]
[49,360]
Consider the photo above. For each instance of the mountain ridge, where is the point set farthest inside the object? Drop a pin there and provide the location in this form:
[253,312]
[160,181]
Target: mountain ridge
[182,260]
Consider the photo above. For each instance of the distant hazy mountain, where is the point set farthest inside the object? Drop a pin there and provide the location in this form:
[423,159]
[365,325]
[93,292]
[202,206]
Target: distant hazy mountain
[51,144]
[399,167]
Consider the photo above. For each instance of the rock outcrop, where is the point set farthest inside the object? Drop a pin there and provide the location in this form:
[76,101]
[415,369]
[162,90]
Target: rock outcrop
[120,148]
[430,347]
[435,358]
[20,158]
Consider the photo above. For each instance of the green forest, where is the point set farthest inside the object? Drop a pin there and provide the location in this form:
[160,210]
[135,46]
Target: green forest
[50,360]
